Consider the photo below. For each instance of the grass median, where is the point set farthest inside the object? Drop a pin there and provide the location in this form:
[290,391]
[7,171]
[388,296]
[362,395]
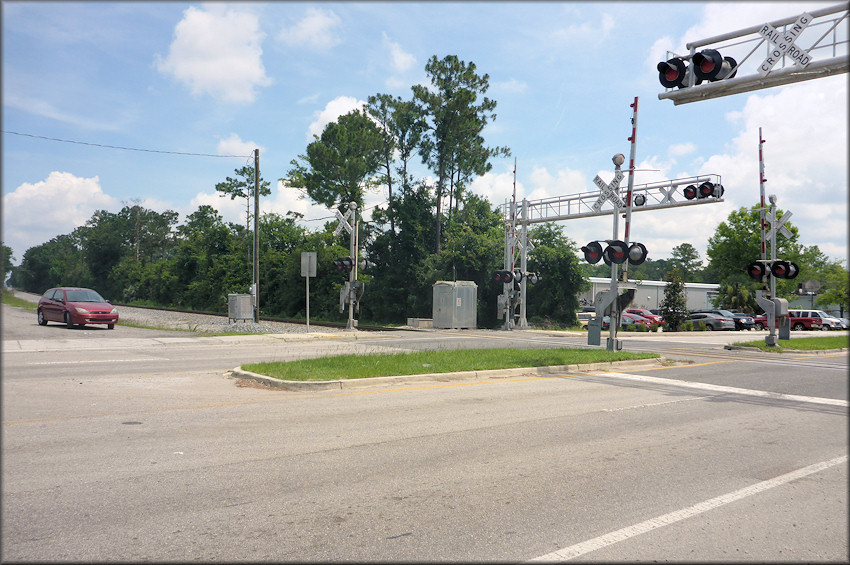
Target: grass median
[801,343]
[345,367]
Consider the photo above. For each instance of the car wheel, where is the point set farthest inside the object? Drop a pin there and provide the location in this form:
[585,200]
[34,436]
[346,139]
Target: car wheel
[708,328]
[798,326]
[759,326]
[42,321]
[110,326]
[824,328]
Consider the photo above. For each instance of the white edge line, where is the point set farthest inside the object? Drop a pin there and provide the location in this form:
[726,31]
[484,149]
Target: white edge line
[727,389]
[673,517]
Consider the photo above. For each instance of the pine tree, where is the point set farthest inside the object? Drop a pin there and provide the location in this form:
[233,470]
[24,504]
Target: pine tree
[674,307]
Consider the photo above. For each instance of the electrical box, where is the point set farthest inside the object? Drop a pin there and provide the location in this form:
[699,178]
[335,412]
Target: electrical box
[455,304]
[240,307]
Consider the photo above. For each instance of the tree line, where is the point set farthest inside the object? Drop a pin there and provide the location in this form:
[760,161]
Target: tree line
[428,229]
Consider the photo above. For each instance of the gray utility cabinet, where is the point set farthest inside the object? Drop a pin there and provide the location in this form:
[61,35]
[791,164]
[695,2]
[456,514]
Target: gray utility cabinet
[240,307]
[455,304]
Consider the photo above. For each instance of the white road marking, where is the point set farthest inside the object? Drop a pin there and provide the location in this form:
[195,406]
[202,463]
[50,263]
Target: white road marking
[588,546]
[727,389]
[86,362]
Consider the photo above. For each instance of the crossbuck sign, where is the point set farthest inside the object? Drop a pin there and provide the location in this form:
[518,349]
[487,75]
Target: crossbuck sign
[784,45]
[609,191]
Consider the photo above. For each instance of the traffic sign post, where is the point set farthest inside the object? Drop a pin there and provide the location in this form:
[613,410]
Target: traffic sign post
[350,287]
[308,269]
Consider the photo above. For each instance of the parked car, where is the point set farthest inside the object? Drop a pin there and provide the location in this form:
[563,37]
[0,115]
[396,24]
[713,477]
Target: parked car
[805,320]
[712,321]
[830,322]
[845,323]
[628,322]
[584,318]
[75,306]
[646,314]
[799,320]
[742,321]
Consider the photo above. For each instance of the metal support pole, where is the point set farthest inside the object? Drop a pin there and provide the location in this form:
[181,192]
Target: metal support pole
[614,317]
[631,184]
[523,285]
[352,277]
[256,236]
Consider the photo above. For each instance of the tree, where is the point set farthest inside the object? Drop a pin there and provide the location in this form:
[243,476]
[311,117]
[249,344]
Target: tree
[736,294]
[834,287]
[674,306]
[737,242]
[686,258]
[339,166]
[243,187]
[7,259]
[555,297]
[452,146]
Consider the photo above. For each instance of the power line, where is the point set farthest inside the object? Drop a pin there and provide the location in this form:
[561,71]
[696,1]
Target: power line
[124,148]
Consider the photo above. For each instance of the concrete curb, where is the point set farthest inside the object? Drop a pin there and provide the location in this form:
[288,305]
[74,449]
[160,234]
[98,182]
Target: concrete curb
[638,364]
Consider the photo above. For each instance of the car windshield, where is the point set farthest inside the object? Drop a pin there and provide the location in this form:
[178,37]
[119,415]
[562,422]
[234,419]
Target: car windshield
[83,296]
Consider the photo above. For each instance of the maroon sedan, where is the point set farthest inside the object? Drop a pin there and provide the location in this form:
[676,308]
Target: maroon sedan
[75,306]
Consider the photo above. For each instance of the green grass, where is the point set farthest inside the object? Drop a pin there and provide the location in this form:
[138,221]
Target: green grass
[801,343]
[12,300]
[383,365]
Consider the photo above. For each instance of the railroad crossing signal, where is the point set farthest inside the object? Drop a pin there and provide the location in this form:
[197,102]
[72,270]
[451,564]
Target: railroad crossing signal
[760,270]
[616,252]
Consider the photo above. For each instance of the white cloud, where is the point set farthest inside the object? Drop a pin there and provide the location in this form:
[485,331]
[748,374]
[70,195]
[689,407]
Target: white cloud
[512,86]
[217,51]
[316,29]
[35,213]
[233,145]
[401,60]
[680,149]
[334,109]
[231,210]
[584,32]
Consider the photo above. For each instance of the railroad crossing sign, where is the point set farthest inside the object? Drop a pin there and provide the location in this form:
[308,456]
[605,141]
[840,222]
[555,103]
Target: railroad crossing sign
[784,45]
[778,225]
[609,191]
[343,219]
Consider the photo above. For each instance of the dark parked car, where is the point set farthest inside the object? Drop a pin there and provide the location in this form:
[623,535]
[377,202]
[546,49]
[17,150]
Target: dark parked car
[742,321]
[712,321]
[75,306]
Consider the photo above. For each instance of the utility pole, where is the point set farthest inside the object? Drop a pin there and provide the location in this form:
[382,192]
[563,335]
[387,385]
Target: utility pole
[256,289]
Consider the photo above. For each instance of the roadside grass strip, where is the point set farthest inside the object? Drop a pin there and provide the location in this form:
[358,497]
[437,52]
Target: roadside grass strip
[801,344]
[347,367]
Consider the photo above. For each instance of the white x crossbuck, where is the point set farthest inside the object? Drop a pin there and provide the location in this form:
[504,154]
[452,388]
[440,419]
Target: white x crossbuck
[611,191]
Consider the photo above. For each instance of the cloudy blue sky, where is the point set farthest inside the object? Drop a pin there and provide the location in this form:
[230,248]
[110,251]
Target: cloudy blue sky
[224,78]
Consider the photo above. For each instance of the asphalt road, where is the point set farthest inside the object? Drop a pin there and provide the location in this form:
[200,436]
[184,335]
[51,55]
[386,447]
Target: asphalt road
[135,445]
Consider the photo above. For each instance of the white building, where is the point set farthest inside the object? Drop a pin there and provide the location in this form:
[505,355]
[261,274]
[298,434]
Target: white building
[650,294]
